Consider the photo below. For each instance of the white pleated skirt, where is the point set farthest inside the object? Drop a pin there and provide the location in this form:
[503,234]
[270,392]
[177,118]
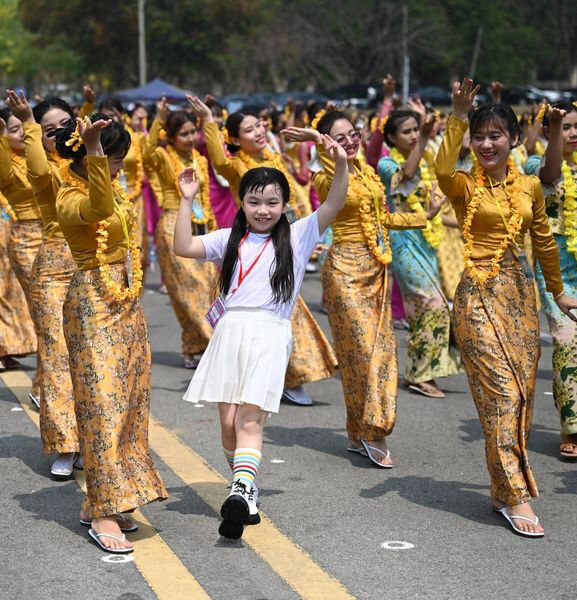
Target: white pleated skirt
[245,361]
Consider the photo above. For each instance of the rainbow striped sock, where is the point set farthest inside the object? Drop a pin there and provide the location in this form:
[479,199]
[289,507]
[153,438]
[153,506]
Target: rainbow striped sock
[246,462]
[229,455]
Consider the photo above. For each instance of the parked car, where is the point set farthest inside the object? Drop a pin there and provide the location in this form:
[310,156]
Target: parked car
[433,94]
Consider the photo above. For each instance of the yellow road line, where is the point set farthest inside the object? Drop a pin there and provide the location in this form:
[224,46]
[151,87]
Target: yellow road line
[283,556]
[157,563]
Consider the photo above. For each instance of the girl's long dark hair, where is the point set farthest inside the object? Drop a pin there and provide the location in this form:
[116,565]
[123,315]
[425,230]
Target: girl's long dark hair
[282,280]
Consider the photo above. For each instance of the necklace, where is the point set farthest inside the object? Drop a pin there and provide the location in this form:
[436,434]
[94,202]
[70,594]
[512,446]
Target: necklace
[570,206]
[513,227]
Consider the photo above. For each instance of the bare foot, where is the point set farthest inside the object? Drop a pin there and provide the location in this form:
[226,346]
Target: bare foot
[124,520]
[427,388]
[524,510]
[109,526]
[568,447]
[381,445]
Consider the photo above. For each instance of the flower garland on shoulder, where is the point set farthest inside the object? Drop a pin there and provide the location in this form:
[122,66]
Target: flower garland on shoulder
[434,231]
[201,167]
[275,160]
[570,205]
[102,234]
[513,227]
[5,206]
[373,220]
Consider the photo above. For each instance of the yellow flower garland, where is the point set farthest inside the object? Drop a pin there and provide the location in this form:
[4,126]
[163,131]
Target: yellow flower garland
[275,160]
[434,231]
[363,185]
[112,286]
[378,124]
[513,227]
[4,205]
[200,165]
[570,206]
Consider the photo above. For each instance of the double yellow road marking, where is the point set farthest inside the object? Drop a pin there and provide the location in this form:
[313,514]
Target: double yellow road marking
[160,567]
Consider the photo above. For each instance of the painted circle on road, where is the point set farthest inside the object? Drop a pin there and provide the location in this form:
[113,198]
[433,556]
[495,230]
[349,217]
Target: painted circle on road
[117,558]
[396,545]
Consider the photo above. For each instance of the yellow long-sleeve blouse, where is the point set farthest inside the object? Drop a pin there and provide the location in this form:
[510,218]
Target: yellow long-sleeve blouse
[134,162]
[44,175]
[347,227]
[157,160]
[15,185]
[81,204]
[488,229]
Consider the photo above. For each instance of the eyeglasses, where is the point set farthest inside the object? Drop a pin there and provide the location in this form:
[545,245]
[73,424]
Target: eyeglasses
[354,138]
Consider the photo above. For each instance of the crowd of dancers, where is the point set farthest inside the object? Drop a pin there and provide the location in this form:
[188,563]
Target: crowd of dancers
[453,227]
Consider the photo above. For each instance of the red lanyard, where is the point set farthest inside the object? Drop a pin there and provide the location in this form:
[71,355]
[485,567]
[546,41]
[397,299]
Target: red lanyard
[241,274]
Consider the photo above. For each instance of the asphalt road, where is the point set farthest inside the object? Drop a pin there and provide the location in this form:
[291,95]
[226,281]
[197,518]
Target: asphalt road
[335,517]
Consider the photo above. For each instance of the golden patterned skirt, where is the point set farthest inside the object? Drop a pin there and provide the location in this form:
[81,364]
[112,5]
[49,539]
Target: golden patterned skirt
[497,330]
[357,296]
[110,367]
[17,335]
[190,286]
[312,357]
[52,271]
[23,245]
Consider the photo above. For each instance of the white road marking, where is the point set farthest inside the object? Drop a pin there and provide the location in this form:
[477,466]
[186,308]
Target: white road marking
[117,558]
[396,545]
[276,461]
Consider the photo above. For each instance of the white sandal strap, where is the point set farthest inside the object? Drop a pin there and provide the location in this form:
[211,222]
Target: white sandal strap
[108,535]
[384,454]
[533,522]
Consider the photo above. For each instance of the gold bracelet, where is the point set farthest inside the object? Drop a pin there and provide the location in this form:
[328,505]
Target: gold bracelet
[557,296]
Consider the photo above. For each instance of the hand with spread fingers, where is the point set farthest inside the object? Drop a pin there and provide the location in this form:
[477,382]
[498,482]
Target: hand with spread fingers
[301,134]
[19,106]
[463,96]
[90,134]
[188,184]
[200,109]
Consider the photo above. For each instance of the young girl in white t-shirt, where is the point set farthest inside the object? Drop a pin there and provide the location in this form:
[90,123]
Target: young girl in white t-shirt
[262,260]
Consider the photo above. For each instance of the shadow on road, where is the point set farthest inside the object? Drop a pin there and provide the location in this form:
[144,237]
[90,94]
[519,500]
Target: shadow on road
[455,497]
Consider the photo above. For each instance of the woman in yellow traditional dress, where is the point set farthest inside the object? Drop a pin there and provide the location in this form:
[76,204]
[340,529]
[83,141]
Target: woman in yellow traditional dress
[52,270]
[17,336]
[495,315]
[356,284]
[106,330]
[312,357]
[558,174]
[431,351]
[26,231]
[190,284]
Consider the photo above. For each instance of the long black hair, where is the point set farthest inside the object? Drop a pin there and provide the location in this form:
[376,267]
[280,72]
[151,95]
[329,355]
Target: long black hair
[233,123]
[115,139]
[500,113]
[282,281]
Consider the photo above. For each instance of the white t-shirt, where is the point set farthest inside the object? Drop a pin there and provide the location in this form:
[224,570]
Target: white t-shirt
[255,290]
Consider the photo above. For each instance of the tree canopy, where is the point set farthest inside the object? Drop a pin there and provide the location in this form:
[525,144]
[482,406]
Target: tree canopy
[253,45]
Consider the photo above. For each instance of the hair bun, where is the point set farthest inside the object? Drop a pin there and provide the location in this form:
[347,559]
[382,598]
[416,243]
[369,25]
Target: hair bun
[62,135]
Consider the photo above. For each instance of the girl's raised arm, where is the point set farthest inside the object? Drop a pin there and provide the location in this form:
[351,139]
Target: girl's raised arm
[185,244]
[337,195]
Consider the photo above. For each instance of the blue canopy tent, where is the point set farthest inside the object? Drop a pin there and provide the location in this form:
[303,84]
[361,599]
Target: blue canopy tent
[153,92]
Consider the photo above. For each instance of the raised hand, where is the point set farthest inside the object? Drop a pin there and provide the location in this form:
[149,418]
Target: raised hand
[200,109]
[90,134]
[416,105]
[555,115]
[463,96]
[162,109]
[300,134]
[389,87]
[88,94]
[496,90]
[567,304]
[3,128]
[19,106]
[436,201]
[427,124]
[333,150]
[188,184]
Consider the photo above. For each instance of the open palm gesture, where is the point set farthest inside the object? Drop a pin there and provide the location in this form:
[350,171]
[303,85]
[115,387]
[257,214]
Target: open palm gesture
[463,96]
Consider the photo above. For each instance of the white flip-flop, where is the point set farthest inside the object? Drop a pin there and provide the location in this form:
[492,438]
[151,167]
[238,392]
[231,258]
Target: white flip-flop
[369,449]
[511,519]
[118,520]
[360,451]
[96,537]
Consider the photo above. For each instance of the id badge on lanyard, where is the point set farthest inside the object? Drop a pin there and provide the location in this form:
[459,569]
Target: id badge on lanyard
[219,307]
